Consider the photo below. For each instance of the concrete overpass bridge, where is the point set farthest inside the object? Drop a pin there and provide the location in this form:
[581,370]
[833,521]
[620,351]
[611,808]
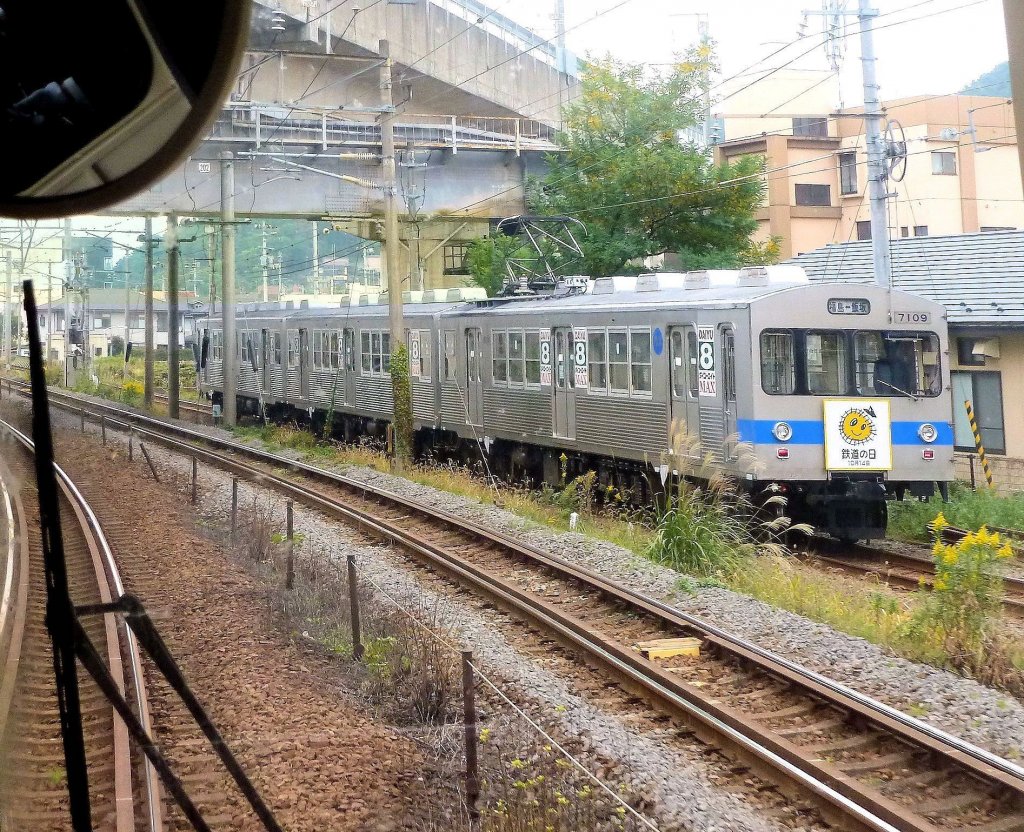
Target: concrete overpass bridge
[476,101]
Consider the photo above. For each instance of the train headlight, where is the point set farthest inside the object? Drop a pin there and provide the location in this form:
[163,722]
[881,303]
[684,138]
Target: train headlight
[927,432]
[782,431]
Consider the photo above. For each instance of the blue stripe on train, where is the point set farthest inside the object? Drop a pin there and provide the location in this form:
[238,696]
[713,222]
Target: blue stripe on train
[812,432]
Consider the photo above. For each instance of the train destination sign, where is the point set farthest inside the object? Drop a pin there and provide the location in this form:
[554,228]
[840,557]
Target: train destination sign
[707,378]
[545,357]
[858,435]
[579,356]
[849,306]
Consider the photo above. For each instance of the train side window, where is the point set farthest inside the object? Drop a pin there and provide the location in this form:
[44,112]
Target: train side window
[499,357]
[364,341]
[217,345]
[318,340]
[640,360]
[425,366]
[334,350]
[826,363]
[516,357]
[293,348]
[385,350]
[277,348]
[684,362]
[778,363]
[533,358]
[450,367]
[618,361]
[597,360]
[350,350]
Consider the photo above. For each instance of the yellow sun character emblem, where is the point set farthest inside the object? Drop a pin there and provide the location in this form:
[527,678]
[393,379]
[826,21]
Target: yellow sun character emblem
[857,426]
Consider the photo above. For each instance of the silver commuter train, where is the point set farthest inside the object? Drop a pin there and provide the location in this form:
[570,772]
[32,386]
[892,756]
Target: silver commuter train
[836,392]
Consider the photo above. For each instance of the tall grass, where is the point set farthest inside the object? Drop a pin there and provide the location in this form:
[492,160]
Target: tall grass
[966,509]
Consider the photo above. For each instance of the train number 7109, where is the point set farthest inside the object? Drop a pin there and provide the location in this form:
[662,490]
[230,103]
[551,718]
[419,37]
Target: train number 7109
[911,317]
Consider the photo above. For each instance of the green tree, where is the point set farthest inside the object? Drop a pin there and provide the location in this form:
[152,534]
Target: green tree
[638,188]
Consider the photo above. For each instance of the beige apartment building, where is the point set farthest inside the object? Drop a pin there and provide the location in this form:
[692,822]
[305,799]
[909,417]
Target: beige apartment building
[962,170]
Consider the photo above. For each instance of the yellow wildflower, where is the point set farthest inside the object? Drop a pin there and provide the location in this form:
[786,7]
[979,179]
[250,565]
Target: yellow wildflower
[620,810]
[938,549]
[940,523]
[485,734]
[939,585]
[1005,551]
[949,558]
[517,764]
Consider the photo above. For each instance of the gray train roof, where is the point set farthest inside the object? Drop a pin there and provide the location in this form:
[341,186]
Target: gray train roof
[979,278]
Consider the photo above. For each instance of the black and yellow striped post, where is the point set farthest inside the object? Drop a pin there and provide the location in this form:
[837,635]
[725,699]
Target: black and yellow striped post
[977,442]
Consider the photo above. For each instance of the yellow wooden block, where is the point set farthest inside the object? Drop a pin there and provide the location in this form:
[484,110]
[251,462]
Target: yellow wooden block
[666,648]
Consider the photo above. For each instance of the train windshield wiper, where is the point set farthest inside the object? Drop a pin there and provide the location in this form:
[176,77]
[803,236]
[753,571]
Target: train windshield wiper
[897,389]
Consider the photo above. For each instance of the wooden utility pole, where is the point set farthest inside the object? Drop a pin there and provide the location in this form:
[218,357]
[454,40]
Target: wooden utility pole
[401,391]
[173,261]
[148,378]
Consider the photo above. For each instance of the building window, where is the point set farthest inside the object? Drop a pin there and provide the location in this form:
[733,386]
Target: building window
[998,228]
[943,163]
[42,320]
[161,322]
[810,126]
[101,322]
[984,390]
[848,173]
[920,230]
[455,258]
[813,195]
[965,354]
[58,321]
[904,231]
[863,229]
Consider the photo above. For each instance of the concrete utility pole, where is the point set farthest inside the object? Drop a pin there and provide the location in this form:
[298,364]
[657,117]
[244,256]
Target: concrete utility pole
[264,262]
[67,295]
[150,324]
[227,293]
[173,261]
[316,258]
[877,172]
[8,298]
[401,393]
[49,309]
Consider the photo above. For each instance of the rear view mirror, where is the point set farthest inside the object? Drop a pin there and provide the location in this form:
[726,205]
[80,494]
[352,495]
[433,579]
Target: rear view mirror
[99,99]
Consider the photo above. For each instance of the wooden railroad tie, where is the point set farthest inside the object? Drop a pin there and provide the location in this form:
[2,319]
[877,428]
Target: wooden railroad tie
[667,648]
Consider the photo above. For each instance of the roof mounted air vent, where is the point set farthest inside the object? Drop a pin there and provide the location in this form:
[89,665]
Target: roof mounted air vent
[697,280]
[753,276]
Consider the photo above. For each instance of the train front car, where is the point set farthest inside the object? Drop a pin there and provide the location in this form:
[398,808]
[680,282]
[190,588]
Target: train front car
[850,402]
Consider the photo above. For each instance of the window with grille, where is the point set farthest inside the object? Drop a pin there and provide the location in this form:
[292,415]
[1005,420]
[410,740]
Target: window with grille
[455,258]
[813,194]
[847,173]
[810,126]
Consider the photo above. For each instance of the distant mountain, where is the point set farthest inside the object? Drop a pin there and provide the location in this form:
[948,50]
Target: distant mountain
[994,82]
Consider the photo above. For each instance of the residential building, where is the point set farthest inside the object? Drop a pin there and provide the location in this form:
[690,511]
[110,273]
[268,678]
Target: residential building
[962,173]
[107,309]
[979,278]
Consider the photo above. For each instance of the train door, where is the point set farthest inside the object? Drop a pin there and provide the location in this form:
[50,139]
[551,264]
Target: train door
[685,413]
[347,389]
[564,396]
[474,382]
[304,364]
[729,390]
[265,359]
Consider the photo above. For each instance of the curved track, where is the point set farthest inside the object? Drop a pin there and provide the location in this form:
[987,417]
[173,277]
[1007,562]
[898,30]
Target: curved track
[863,764]
[33,794]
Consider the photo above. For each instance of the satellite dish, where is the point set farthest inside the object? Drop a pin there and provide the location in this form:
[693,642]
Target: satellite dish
[895,150]
[96,105]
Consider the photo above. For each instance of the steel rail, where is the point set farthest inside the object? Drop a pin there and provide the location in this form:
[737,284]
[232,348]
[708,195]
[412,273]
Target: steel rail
[14,599]
[111,586]
[979,761]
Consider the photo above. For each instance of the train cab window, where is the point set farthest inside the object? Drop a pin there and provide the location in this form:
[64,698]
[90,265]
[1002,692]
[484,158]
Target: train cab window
[597,360]
[499,357]
[533,358]
[826,363]
[897,364]
[516,357]
[640,360]
[618,362]
[778,363]
[450,366]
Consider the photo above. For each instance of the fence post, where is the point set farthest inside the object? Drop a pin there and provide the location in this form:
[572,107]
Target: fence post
[353,604]
[974,483]
[103,429]
[195,477]
[469,718]
[82,414]
[152,467]
[289,575]
[131,436]
[234,508]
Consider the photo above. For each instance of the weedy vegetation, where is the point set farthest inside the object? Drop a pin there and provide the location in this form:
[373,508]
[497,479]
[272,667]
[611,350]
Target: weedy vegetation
[966,509]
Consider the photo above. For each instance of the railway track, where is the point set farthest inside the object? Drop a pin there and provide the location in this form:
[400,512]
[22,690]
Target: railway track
[33,795]
[864,765]
[199,412]
[903,571]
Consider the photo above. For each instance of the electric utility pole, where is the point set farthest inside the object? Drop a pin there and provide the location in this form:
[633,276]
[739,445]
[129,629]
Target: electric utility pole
[400,389]
[227,293]
[150,327]
[877,168]
[8,297]
[173,260]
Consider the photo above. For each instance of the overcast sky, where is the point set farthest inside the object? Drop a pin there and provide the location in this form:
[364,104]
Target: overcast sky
[943,45]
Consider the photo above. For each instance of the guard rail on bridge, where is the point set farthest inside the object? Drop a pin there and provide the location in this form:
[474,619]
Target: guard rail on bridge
[257,123]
